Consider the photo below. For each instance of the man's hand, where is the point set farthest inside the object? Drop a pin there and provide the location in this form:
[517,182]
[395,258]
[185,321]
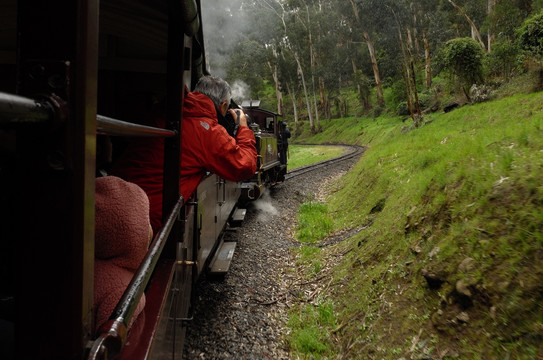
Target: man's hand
[239,117]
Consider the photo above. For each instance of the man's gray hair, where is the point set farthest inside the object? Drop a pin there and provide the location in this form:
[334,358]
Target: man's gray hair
[217,89]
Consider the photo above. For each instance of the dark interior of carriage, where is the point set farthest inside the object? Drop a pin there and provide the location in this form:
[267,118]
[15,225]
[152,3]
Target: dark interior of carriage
[7,166]
[133,60]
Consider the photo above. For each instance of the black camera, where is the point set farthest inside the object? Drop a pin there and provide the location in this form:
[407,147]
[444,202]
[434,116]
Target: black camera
[228,121]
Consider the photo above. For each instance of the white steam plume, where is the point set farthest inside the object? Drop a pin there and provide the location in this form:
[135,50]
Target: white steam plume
[240,91]
[265,207]
[223,23]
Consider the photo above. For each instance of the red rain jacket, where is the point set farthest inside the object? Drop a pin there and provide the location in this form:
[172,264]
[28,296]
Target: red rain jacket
[205,146]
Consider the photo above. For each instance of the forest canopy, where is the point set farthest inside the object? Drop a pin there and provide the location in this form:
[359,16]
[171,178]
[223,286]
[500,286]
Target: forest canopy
[312,59]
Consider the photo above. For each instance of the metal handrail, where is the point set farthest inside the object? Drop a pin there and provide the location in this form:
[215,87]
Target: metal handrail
[109,126]
[15,109]
[112,341]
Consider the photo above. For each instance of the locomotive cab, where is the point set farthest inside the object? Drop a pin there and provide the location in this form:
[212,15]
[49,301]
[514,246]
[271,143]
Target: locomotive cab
[271,170]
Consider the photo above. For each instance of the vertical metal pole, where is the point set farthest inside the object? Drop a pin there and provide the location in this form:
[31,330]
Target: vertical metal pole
[58,43]
[174,102]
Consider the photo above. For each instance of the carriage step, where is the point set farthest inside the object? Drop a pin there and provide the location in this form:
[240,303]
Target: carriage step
[237,217]
[222,259]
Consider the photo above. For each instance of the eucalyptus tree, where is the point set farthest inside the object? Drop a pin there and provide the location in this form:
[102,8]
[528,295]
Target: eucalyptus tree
[276,37]
[405,28]
[247,63]
[313,39]
[367,16]
[476,7]
[496,18]
[285,36]
[288,74]
[334,66]
[263,37]
[353,60]
[295,41]
[326,52]
[503,18]
[307,17]
[424,17]
[268,28]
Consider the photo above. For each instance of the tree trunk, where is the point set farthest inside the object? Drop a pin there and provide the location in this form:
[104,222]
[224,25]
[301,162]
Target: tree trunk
[301,73]
[316,109]
[428,60]
[327,107]
[375,67]
[405,75]
[278,93]
[415,32]
[322,90]
[358,88]
[409,40]
[418,115]
[409,76]
[294,106]
[490,36]
[312,65]
[474,30]
[355,11]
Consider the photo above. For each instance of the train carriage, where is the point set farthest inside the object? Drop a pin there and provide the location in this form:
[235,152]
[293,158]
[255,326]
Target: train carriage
[75,78]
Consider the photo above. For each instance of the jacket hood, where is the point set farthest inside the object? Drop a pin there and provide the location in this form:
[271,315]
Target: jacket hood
[199,105]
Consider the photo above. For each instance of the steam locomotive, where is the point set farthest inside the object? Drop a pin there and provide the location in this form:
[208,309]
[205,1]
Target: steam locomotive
[72,75]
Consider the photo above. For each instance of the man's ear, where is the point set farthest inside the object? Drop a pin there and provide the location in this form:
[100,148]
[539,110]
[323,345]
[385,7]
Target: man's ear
[223,108]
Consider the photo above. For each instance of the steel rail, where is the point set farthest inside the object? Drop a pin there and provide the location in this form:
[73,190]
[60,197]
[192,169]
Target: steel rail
[110,342]
[355,151]
[16,110]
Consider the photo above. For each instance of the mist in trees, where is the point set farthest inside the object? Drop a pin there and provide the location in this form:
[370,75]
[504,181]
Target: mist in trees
[319,55]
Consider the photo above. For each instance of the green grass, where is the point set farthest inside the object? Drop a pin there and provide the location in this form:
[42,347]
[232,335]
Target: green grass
[306,155]
[310,324]
[465,188]
[314,222]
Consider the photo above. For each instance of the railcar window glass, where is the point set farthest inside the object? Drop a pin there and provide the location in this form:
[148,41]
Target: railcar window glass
[269,124]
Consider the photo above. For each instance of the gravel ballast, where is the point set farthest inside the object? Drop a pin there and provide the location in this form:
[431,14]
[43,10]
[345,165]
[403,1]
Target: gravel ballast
[244,314]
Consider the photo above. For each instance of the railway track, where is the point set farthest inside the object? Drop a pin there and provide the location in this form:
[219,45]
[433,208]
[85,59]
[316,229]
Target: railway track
[351,152]
[244,315]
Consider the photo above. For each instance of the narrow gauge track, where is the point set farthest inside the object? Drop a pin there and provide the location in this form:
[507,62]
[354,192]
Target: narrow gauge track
[352,151]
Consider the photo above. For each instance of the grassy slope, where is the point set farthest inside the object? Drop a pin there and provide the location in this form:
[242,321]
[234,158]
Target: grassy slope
[305,155]
[460,200]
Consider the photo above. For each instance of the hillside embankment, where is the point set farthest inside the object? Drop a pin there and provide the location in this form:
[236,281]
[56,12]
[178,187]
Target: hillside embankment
[444,253]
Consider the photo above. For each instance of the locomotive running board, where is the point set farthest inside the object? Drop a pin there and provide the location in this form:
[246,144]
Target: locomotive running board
[223,257]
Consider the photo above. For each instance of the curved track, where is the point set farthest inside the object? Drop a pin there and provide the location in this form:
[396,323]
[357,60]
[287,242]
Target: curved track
[245,314]
[351,152]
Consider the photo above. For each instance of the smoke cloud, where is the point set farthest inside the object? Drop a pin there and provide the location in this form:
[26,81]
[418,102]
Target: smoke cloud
[240,91]
[223,24]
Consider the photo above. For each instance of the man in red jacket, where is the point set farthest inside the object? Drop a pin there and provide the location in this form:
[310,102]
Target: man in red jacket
[205,146]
